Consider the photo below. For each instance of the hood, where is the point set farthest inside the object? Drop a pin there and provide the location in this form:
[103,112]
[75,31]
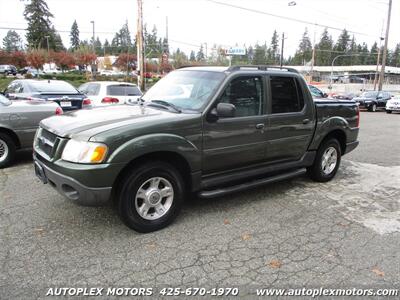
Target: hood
[89,122]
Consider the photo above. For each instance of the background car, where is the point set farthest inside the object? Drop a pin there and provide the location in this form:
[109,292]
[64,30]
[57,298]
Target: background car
[110,92]
[61,92]
[316,92]
[344,96]
[373,100]
[393,105]
[8,70]
[18,123]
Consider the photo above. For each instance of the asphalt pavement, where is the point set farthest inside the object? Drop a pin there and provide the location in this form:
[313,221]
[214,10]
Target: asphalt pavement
[296,233]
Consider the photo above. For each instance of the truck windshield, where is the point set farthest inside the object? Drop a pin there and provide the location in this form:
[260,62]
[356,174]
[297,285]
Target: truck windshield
[187,90]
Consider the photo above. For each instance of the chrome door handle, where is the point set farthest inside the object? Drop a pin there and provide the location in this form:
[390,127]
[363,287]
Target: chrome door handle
[260,126]
[306,121]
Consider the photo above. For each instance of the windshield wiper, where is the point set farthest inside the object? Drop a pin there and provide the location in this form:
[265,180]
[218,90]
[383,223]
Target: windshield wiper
[165,104]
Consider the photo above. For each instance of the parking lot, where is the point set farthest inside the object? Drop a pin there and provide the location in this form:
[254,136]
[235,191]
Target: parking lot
[291,234]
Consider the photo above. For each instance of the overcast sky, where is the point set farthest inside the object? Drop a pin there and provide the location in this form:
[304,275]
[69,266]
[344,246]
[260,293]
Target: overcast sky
[192,22]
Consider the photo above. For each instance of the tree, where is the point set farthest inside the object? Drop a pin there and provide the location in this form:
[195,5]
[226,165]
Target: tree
[180,59]
[273,50]
[74,36]
[126,62]
[355,58]
[98,47]
[342,46]
[18,59]
[84,56]
[192,56]
[36,58]
[304,51]
[122,40]
[200,55]
[12,41]
[38,16]
[63,60]
[372,58]
[395,56]
[107,47]
[324,49]
[259,55]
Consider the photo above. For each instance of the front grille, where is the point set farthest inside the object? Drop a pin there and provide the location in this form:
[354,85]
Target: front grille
[46,142]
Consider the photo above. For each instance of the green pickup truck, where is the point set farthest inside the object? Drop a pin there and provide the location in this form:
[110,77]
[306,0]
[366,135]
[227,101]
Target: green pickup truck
[207,131]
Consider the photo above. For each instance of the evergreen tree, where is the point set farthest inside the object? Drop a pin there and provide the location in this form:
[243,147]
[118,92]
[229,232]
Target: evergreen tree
[343,46]
[200,54]
[106,47]
[38,16]
[364,58]
[12,41]
[304,52]
[122,41]
[355,58]
[55,40]
[98,47]
[273,50]
[395,57]
[250,54]
[372,58]
[192,56]
[74,36]
[323,55]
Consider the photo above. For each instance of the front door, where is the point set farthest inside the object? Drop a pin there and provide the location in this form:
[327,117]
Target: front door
[237,141]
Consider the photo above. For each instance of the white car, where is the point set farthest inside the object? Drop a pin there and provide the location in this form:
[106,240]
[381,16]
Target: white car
[111,92]
[393,104]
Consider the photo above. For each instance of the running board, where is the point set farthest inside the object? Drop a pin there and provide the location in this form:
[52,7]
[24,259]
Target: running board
[250,184]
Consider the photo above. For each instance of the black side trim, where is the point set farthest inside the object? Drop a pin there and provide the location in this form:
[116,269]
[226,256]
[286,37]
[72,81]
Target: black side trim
[251,184]
[243,173]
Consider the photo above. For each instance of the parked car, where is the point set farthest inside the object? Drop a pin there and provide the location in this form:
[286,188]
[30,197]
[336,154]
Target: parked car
[19,121]
[110,92]
[373,100]
[234,131]
[61,92]
[8,70]
[35,73]
[344,96]
[393,105]
[316,92]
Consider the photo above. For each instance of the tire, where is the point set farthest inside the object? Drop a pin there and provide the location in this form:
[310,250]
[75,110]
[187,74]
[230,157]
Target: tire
[323,170]
[388,111]
[7,150]
[372,108]
[141,203]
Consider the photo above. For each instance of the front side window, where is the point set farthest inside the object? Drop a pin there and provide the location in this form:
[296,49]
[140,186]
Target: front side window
[286,98]
[246,94]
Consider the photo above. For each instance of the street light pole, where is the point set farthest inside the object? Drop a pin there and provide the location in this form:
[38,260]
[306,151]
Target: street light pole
[385,47]
[283,44]
[94,51]
[139,39]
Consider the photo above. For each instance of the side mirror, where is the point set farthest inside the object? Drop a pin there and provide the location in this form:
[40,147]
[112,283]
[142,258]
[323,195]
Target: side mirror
[223,110]
[226,110]
[324,95]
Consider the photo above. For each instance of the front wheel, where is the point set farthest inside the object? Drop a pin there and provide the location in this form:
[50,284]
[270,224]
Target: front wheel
[326,162]
[151,196]
[388,111]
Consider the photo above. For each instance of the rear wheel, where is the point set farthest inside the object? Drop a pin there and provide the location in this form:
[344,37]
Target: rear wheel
[7,150]
[326,162]
[151,196]
[372,108]
[388,111]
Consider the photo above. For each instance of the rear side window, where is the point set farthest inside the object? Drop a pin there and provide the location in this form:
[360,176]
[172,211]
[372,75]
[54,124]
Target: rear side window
[123,90]
[90,89]
[286,97]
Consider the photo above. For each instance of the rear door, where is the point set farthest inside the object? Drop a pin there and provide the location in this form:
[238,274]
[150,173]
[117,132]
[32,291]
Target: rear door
[290,118]
[238,141]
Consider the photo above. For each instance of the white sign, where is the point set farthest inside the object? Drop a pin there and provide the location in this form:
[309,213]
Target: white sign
[236,51]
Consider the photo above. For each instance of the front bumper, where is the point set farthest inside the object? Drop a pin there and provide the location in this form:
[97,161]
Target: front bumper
[71,188]
[393,108]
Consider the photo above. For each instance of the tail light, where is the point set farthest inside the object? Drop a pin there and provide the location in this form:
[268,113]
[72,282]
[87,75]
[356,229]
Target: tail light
[110,100]
[358,117]
[86,102]
[59,111]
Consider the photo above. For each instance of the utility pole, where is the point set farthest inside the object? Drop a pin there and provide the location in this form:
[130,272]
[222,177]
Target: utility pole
[283,44]
[385,47]
[94,51]
[139,39]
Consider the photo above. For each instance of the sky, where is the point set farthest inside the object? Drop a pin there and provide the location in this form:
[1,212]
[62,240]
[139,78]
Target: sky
[195,22]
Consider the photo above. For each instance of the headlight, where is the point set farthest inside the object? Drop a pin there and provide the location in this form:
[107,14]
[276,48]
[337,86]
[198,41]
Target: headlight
[84,152]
